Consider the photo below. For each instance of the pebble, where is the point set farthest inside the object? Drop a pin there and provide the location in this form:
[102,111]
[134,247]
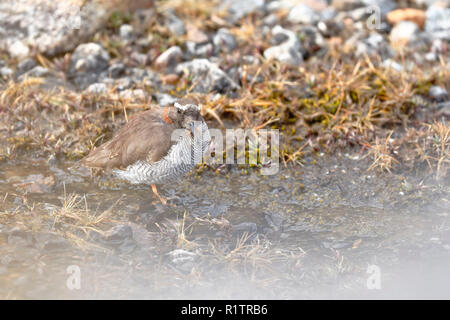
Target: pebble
[287,52]
[169,58]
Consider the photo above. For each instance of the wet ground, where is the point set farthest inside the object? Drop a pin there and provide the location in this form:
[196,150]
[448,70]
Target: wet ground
[327,228]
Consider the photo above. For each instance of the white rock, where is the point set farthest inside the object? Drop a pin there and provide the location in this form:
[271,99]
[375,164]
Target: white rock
[287,52]
[6,72]
[303,14]
[126,31]
[18,50]
[169,57]
[404,31]
[97,88]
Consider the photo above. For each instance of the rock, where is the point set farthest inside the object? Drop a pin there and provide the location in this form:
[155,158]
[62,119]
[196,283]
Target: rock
[6,72]
[194,50]
[18,50]
[414,15]
[136,94]
[438,94]
[403,32]
[388,63]
[207,76]
[224,41]
[375,44]
[174,24]
[140,58]
[238,9]
[54,27]
[287,52]
[126,32]
[195,35]
[182,259]
[25,65]
[437,22]
[116,70]
[303,14]
[87,62]
[165,99]
[169,58]
[97,88]
[36,72]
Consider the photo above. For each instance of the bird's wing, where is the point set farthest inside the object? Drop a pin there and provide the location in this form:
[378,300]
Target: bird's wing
[145,137]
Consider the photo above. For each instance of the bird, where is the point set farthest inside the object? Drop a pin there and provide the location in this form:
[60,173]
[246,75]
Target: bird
[156,146]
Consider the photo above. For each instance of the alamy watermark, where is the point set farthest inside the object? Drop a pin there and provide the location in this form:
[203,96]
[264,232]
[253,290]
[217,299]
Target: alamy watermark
[258,148]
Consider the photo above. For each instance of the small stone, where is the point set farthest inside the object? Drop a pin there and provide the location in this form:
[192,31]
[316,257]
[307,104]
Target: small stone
[438,94]
[89,57]
[116,70]
[388,63]
[207,76]
[18,50]
[287,52]
[97,88]
[165,99]
[126,31]
[302,14]
[438,20]
[6,72]
[25,65]
[195,35]
[36,72]
[140,58]
[168,58]
[238,8]
[174,24]
[88,61]
[403,32]
[136,94]
[224,41]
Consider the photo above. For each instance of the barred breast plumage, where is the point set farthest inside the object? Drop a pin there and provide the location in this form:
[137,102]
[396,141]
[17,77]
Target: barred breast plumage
[156,146]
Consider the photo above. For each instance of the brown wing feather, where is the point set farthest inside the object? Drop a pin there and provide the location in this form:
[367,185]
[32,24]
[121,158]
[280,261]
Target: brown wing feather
[145,137]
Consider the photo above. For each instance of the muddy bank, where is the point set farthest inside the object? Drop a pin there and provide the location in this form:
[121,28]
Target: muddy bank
[310,231]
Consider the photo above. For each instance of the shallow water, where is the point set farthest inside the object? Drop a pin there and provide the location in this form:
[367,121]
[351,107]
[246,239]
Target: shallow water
[310,231]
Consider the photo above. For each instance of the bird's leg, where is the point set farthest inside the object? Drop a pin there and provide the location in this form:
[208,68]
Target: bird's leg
[155,191]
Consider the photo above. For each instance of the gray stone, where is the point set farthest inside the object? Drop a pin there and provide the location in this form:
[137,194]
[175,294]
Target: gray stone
[36,72]
[25,65]
[238,8]
[126,32]
[224,41]
[195,50]
[87,62]
[97,88]
[302,14]
[438,93]
[51,27]
[175,25]
[116,70]
[6,72]
[289,51]
[165,99]
[169,58]
[207,76]
[437,22]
